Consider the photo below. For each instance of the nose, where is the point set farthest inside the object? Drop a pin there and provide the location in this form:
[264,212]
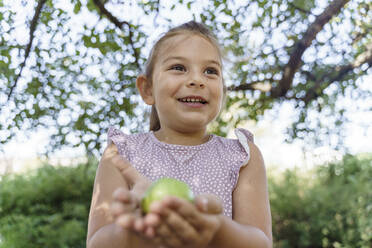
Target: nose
[196,84]
[196,81]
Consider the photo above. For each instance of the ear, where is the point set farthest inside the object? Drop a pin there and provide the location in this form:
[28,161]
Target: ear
[145,90]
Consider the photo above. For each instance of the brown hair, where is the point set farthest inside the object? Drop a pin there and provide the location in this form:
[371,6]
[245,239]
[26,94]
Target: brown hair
[192,27]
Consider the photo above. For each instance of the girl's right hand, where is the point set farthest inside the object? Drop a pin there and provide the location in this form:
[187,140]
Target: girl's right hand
[127,212]
[126,208]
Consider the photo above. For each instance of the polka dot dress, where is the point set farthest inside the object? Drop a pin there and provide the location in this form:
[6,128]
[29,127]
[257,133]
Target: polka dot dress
[212,167]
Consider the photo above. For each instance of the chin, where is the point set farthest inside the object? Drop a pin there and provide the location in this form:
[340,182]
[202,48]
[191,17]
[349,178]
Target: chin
[194,126]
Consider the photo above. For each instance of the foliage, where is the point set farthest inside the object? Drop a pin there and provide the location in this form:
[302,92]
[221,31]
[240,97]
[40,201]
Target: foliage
[71,67]
[47,208]
[328,207]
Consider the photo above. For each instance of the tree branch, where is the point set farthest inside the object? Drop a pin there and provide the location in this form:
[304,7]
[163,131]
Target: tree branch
[248,86]
[261,85]
[341,72]
[119,24]
[108,14]
[29,45]
[309,75]
[296,56]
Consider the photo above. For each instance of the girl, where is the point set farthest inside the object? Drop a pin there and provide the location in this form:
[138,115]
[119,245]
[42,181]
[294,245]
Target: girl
[184,84]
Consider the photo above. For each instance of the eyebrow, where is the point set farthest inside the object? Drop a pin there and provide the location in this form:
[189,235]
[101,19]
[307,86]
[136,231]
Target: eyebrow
[182,58]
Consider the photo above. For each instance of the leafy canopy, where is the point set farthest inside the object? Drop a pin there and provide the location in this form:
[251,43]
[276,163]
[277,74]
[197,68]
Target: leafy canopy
[71,67]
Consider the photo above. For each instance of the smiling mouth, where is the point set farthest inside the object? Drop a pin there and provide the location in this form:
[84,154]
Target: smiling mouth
[193,100]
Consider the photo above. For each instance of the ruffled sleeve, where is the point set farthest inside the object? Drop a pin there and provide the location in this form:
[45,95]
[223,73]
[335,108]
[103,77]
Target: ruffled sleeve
[244,136]
[241,154]
[119,139]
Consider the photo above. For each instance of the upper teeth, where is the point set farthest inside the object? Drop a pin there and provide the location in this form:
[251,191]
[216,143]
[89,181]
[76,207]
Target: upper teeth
[191,100]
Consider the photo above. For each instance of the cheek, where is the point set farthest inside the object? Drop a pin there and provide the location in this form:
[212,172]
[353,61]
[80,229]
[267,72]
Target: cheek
[218,98]
[222,97]
[170,86]
[219,91]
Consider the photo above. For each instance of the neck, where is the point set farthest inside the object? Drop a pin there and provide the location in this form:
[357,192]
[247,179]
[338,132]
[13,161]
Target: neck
[181,138]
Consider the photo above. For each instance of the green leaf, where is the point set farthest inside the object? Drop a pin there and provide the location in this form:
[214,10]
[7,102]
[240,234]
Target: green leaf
[189,5]
[77,7]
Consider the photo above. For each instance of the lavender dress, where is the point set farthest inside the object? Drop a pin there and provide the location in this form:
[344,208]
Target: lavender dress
[212,167]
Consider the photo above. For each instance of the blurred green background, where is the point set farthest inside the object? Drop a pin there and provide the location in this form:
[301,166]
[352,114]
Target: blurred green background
[330,206]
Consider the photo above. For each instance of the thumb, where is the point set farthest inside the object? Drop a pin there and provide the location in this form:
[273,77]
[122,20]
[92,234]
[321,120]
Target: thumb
[127,171]
[209,204]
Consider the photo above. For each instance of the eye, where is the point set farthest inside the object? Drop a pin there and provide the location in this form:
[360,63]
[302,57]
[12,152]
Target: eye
[177,67]
[211,70]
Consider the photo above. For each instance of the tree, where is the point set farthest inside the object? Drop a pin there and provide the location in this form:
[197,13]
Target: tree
[75,70]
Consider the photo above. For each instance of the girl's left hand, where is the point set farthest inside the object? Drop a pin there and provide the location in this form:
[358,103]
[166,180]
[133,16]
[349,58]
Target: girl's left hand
[179,223]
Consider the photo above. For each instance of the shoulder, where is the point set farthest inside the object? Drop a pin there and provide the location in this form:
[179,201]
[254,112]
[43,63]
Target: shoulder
[251,166]
[238,147]
[116,135]
[253,173]
[126,141]
[256,159]
[243,136]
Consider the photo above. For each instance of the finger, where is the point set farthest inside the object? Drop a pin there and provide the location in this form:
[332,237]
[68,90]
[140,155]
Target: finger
[126,221]
[184,208]
[129,173]
[152,219]
[167,236]
[209,204]
[127,199]
[117,209]
[160,207]
[123,195]
[150,233]
[134,224]
[182,229]
[139,225]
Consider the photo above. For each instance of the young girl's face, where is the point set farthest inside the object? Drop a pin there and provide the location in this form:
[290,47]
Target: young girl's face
[187,83]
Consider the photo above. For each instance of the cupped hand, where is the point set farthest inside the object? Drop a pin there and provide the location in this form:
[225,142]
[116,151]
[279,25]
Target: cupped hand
[179,223]
[126,207]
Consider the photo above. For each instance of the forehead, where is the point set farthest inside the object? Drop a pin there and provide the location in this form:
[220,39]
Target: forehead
[189,46]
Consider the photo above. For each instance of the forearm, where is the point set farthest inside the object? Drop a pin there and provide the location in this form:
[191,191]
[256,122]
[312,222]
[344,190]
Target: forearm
[234,235]
[114,237]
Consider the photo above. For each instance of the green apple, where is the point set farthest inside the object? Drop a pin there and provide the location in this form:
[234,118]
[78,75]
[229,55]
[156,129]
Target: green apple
[165,187]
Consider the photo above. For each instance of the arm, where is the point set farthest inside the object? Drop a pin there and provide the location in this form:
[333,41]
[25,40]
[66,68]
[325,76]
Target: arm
[251,226]
[102,231]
